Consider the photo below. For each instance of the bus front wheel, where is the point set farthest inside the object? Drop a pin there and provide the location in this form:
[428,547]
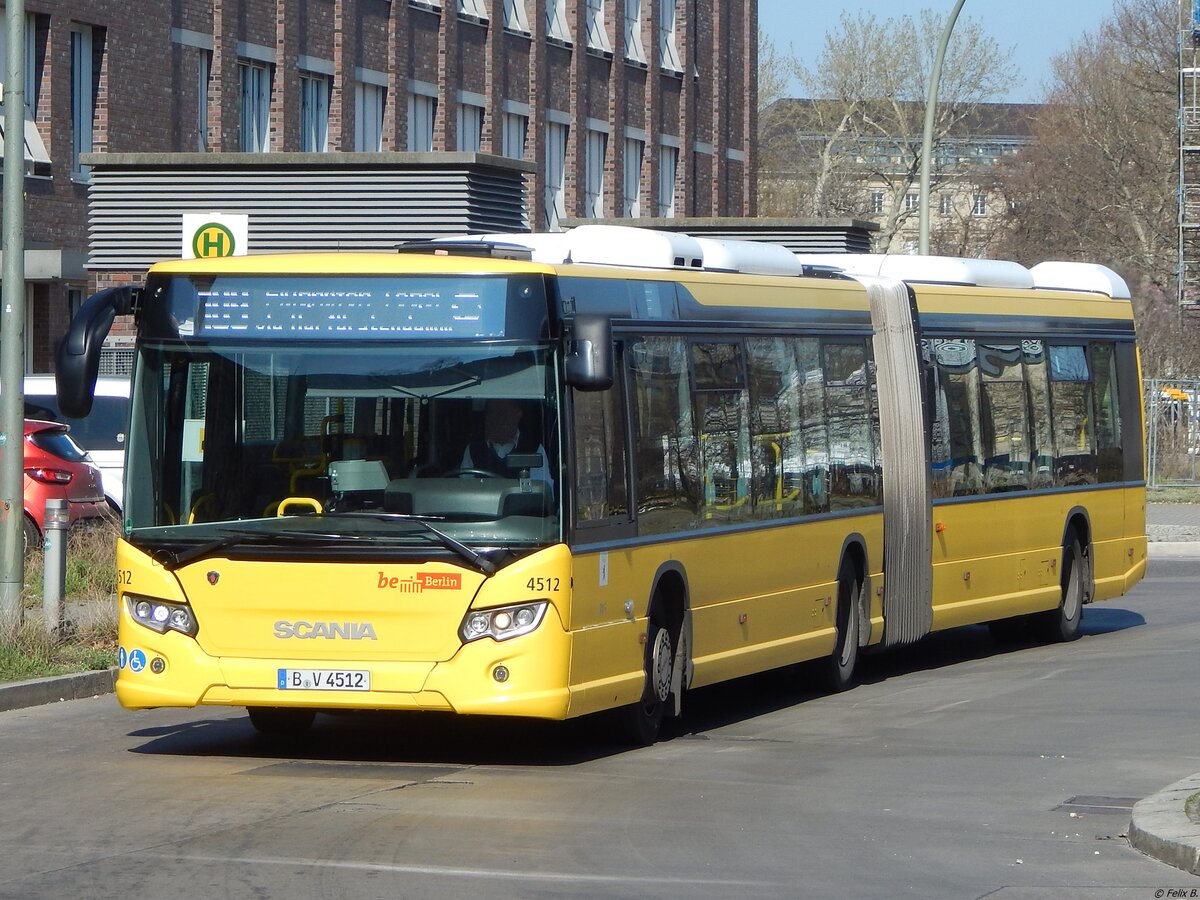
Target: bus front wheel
[280,721]
[641,722]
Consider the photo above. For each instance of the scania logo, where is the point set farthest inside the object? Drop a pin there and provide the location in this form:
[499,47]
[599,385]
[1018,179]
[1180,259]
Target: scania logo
[346,631]
[214,577]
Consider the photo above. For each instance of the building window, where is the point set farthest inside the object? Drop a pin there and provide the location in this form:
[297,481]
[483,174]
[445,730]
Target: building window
[35,148]
[668,52]
[368,116]
[593,201]
[877,203]
[422,112]
[556,159]
[597,36]
[979,208]
[556,21]
[203,68]
[474,8]
[631,206]
[516,127]
[82,87]
[945,205]
[668,166]
[515,17]
[633,32]
[256,106]
[470,126]
[30,85]
[912,201]
[314,113]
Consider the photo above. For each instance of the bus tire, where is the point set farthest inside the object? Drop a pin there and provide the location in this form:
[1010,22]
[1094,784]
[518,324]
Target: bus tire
[838,669]
[281,721]
[1062,624]
[640,723]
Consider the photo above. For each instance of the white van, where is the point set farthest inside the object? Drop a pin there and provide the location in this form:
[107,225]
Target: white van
[101,433]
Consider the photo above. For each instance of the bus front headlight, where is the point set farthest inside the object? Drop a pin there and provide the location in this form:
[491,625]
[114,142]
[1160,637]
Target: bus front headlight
[502,622]
[162,615]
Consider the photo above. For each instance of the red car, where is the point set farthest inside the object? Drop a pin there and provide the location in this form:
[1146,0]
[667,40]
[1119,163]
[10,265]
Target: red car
[57,468]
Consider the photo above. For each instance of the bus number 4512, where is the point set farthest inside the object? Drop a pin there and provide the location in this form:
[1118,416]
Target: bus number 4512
[540,585]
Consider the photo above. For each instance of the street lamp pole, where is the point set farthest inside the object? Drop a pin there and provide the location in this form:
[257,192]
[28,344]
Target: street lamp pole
[12,322]
[930,114]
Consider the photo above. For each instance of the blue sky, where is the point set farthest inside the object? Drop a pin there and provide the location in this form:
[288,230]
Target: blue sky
[1036,29]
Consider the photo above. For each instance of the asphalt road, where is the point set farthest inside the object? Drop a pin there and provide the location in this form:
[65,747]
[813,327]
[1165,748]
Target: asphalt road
[958,769]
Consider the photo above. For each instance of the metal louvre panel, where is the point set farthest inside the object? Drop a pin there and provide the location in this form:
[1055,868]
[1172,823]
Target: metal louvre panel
[134,212]
[907,518]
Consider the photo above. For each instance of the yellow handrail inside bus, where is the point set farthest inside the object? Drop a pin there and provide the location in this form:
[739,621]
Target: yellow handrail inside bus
[312,503]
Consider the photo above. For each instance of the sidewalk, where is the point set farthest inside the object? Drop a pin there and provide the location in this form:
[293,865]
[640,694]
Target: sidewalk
[1165,825]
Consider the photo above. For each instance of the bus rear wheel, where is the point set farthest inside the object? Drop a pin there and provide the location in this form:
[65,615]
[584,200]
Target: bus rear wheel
[281,721]
[641,722]
[1062,624]
[839,668]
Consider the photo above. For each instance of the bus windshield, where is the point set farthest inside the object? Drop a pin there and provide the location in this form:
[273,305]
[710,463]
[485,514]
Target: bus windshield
[364,449]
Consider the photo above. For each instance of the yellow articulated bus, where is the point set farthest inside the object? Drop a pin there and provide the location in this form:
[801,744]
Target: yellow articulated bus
[552,475]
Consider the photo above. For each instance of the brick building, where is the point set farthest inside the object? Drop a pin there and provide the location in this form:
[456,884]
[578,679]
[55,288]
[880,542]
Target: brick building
[623,108]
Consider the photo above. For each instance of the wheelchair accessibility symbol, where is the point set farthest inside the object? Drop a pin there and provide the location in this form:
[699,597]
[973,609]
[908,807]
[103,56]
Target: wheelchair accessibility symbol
[137,660]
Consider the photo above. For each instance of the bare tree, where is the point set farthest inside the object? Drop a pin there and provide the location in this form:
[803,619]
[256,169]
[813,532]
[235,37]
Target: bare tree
[864,123]
[1099,182]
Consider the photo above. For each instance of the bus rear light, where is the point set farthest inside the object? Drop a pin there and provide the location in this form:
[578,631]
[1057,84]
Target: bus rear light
[502,622]
[162,616]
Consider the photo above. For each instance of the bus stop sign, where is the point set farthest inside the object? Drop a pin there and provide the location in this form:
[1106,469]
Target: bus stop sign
[208,235]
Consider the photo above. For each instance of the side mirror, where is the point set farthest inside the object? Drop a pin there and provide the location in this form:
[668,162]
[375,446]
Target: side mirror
[77,358]
[589,361]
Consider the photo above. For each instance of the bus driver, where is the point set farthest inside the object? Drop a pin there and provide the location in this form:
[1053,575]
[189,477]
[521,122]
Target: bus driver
[502,436]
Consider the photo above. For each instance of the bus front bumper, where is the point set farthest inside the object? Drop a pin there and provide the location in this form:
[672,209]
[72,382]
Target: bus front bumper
[526,676]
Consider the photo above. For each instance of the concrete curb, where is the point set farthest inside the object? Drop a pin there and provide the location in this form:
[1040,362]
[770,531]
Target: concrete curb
[21,694]
[1160,826]
[1173,549]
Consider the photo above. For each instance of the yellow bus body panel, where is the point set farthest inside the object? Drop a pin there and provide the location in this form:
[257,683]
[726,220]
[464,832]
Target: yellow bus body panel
[997,557]
[759,599]
[415,656]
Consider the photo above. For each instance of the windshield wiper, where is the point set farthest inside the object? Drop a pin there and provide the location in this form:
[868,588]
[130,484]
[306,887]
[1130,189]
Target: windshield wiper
[175,560]
[477,559]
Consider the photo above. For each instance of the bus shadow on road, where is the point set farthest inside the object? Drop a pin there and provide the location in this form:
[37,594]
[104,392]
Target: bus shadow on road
[756,695]
[391,738]
[378,740]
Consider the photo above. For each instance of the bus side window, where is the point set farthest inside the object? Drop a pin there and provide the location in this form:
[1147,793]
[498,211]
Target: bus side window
[1072,416]
[1004,419]
[600,472]
[852,473]
[789,446]
[957,452]
[719,394]
[1037,389]
[1109,460]
[667,456]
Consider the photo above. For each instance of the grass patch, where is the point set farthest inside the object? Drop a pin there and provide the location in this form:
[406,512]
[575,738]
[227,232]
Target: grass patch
[1192,807]
[1182,494]
[32,653]
[89,639]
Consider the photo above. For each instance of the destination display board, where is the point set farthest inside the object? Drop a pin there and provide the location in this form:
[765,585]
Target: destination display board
[359,308]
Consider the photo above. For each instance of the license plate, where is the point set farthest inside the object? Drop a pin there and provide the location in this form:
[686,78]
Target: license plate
[324,680]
